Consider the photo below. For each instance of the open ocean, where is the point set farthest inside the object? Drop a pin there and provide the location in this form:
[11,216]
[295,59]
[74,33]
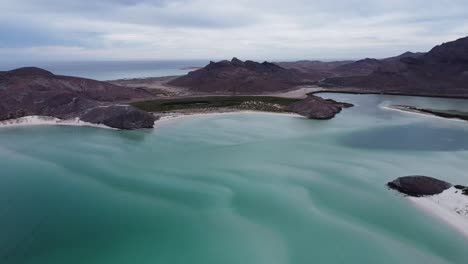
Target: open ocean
[233,188]
[111,70]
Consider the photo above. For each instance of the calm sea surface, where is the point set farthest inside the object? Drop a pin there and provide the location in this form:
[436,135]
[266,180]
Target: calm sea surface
[111,70]
[234,188]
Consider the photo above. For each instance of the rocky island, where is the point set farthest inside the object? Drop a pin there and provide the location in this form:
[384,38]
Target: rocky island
[444,200]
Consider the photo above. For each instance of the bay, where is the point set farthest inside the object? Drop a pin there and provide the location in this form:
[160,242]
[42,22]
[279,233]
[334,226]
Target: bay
[232,188]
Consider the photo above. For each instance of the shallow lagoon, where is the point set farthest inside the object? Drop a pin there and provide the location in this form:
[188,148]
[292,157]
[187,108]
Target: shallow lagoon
[232,188]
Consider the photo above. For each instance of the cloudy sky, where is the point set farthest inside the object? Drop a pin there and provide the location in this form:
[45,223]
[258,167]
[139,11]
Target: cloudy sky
[217,29]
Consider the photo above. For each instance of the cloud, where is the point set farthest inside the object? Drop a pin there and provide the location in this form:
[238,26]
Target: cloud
[215,29]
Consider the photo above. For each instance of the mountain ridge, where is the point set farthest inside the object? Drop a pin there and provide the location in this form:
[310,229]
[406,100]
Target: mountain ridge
[442,71]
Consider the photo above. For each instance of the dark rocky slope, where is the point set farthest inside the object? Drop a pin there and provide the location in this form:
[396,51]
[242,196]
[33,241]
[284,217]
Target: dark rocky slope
[367,66]
[310,66]
[239,77]
[407,54]
[443,71]
[34,91]
[358,68]
[119,116]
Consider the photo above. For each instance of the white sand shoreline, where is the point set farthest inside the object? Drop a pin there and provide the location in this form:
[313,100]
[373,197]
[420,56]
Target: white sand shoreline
[46,121]
[450,206]
[52,121]
[167,117]
[420,113]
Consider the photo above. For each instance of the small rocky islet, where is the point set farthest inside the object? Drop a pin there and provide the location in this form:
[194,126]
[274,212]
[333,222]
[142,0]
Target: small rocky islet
[446,201]
[420,186]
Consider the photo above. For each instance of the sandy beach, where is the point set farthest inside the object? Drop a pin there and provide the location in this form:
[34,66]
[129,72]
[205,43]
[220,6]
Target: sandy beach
[46,120]
[163,118]
[450,206]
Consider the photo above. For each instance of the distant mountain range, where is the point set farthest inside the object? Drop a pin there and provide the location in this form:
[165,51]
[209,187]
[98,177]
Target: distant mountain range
[443,71]
[344,68]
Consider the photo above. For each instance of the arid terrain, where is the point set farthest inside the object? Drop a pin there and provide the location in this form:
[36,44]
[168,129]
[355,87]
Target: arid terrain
[443,71]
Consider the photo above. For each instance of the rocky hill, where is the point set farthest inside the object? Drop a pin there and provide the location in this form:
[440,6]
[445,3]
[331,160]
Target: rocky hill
[308,66]
[33,91]
[443,71]
[239,77]
[314,107]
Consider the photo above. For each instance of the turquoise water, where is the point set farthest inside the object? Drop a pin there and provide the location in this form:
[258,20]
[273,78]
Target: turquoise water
[234,188]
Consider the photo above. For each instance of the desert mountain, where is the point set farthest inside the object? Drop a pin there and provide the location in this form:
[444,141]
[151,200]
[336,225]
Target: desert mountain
[443,71]
[308,65]
[324,69]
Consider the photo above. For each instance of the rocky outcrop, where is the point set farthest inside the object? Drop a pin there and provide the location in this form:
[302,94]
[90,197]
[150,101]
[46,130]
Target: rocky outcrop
[33,91]
[314,107]
[239,77]
[419,185]
[443,71]
[462,188]
[119,116]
